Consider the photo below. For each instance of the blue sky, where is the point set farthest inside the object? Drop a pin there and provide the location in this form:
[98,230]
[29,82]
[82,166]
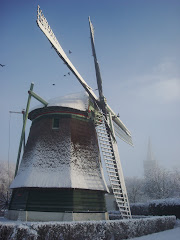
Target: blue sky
[138,49]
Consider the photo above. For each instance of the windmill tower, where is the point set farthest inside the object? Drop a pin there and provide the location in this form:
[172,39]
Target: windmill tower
[60,176]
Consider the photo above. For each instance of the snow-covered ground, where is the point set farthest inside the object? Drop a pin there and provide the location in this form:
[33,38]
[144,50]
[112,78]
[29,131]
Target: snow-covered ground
[173,234]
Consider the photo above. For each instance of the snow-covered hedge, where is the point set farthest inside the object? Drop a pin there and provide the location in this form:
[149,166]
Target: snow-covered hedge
[169,206]
[114,215]
[104,230]
[140,209]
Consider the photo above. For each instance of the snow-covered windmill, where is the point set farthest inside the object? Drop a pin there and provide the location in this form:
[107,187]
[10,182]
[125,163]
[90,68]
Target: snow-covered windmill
[61,171]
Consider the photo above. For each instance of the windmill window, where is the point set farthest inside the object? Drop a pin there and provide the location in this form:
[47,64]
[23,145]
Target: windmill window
[55,123]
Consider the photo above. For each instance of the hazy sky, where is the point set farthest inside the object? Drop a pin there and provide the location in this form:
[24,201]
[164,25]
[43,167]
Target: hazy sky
[138,49]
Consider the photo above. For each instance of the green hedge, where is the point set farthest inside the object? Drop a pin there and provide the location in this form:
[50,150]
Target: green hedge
[104,230]
[160,207]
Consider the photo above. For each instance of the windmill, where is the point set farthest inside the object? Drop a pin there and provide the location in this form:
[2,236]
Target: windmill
[98,120]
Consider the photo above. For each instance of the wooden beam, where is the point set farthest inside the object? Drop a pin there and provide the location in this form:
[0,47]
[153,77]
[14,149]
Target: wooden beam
[23,129]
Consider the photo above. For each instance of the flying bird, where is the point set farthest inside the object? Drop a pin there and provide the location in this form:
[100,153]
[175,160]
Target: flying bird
[53,84]
[69,73]
[2,65]
[70,52]
[64,75]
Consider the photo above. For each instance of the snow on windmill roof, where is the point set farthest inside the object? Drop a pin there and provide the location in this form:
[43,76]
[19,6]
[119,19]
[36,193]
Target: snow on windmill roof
[78,101]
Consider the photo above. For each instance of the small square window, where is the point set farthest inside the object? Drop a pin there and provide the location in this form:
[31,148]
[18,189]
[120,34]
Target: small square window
[55,123]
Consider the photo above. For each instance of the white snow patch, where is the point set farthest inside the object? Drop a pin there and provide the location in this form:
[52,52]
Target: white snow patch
[78,101]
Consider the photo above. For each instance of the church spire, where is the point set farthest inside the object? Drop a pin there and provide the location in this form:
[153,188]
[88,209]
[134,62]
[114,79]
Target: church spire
[150,156]
[150,162]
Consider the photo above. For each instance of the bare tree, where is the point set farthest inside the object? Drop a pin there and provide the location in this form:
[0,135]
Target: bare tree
[134,188]
[6,176]
[160,184]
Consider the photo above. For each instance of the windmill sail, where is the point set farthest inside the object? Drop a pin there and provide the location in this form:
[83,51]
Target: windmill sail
[45,28]
[121,130]
[98,74]
[122,134]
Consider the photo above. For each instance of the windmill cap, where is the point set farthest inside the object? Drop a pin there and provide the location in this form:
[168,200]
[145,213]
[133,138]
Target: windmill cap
[79,101]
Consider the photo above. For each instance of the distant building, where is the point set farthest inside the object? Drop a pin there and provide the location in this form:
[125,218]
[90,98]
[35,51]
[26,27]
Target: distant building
[150,164]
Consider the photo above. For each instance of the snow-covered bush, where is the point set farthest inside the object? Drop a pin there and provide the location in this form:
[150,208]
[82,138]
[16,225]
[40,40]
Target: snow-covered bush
[12,231]
[140,209]
[6,177]
[166,207]
[104,230]
[114,215]
[169,206]
[159,183]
